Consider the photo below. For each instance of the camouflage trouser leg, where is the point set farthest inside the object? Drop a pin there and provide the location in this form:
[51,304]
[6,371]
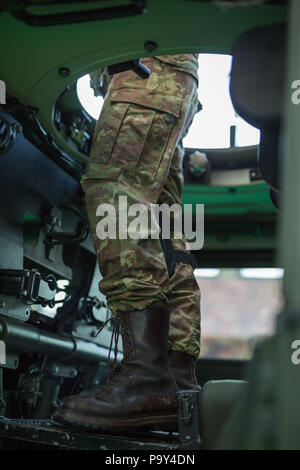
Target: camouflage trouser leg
[183,293]
[131,156]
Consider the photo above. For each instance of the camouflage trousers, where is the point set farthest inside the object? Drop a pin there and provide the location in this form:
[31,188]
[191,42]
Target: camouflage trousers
[136,153]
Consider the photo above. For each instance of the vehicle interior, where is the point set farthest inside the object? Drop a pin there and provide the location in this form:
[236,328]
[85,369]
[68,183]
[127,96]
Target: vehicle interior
[248,269]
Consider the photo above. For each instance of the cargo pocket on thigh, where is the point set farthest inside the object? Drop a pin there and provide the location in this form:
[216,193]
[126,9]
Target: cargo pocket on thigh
[132,137]
[158,148]
[107,131]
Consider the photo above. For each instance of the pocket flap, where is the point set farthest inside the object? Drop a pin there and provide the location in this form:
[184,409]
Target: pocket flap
[103,171]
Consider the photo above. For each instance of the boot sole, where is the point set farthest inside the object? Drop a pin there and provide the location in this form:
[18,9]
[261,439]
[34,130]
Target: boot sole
[167,422]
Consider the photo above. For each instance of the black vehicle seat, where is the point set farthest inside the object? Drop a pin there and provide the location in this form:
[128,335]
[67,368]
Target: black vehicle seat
[257,90]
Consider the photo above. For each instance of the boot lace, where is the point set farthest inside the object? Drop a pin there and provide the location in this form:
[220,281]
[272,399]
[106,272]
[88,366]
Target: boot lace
[112,364]
[128,349]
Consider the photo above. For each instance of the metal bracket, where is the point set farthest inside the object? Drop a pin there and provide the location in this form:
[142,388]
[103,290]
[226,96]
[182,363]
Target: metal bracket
[55,236]
[28,286]
[189,419]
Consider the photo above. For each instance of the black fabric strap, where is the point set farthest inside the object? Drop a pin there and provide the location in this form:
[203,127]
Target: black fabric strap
[186,258]
[172,257]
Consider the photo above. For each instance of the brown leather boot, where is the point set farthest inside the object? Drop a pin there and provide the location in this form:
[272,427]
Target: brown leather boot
[142,394]
[183,370]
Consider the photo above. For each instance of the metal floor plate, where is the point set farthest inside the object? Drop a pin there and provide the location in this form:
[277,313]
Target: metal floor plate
[50,433]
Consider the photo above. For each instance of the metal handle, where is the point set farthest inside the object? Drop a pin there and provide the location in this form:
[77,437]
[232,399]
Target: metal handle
[135,7]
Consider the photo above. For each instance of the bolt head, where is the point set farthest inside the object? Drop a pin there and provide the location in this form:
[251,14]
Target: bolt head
[64,72]
[150,46]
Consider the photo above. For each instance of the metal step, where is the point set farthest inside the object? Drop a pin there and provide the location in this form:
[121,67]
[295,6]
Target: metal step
[50,433]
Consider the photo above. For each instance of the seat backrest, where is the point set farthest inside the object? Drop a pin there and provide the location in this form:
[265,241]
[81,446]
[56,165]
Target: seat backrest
[257,89]
[258,75]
